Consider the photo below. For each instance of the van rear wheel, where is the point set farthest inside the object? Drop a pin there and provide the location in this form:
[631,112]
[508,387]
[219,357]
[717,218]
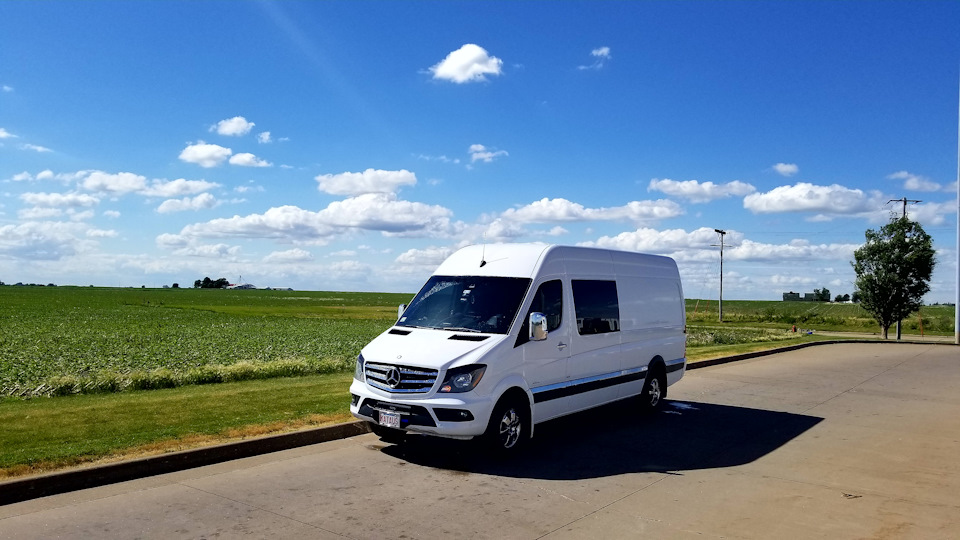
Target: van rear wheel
[654,390]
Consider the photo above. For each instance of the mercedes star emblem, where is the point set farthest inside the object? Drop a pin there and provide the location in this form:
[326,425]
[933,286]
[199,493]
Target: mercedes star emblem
[393,377]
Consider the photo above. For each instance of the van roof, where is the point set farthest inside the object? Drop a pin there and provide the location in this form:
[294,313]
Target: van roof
[526,260]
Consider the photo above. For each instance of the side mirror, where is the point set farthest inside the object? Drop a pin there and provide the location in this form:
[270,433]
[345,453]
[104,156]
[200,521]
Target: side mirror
[400,310]
[538,326]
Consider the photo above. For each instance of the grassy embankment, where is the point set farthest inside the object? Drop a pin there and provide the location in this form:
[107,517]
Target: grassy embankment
[104,341]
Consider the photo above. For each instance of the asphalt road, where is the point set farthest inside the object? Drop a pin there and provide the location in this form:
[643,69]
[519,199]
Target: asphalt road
[838,441]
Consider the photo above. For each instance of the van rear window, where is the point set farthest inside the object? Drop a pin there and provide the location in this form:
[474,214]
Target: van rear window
[596,306]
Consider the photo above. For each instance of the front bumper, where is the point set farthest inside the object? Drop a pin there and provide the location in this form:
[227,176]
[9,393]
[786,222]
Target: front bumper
[457,416]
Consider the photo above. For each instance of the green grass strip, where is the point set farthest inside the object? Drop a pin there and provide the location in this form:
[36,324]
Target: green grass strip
[44,433]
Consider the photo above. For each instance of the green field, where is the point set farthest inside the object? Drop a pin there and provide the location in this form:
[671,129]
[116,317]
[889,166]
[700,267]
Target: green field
[64,340]
[70,340]
[820,316]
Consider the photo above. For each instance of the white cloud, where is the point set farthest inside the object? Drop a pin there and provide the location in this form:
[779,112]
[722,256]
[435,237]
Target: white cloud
[700,246]
[22,177]
[383,212]
[247,189]
[119,183]
[60,199]
[441,159]
[286,222]
[113,214]
[172,241]
[264,138]
[369,181]
[233,127]
[44,240]
[4,134]
[289,256]
[479,152]
[602,54]
[700,192]
[470,63]
[35,148]
[804,197]
[176,188]
[38,213]
[915,182]
[80,215]
[934,214]
[200,202]
[786,169]
[427,259]
[372,211]
[502,230]
[7,88]
[562,210]
[649,240]
[45,175]
[208,251]
[205,155]
[797,250]
[102,233]
[246,159]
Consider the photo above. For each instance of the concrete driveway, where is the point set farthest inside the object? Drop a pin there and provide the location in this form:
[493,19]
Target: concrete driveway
[838,441]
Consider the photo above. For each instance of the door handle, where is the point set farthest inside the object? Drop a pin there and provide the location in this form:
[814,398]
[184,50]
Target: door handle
[561,345]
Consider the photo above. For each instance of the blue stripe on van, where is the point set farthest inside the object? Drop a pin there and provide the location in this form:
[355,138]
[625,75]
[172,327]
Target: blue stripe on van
[587,384]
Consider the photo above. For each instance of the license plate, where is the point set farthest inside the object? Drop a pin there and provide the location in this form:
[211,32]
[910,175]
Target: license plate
[390,419]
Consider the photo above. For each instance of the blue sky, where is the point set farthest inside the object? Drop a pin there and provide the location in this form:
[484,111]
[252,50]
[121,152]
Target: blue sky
[353,145]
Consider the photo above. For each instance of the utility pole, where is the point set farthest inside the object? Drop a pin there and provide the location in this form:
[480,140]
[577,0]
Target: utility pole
[904,201]
[720,304]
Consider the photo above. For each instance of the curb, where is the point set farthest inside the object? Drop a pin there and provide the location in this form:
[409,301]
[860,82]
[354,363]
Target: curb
[62,482]
[55,483]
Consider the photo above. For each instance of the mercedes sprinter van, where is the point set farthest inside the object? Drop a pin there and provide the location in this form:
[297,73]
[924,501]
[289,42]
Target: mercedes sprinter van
[505,336]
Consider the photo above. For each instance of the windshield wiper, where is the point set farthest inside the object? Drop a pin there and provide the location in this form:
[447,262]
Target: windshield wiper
[460,329]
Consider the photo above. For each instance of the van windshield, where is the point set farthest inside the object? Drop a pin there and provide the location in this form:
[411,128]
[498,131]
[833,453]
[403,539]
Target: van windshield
[466,304]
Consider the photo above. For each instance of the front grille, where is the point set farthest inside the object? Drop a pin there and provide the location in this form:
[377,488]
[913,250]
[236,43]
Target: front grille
[412,380]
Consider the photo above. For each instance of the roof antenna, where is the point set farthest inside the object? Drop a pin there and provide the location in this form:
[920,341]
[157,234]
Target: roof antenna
[483,252]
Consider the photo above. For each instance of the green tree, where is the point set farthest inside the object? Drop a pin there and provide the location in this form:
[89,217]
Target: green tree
[893,270]
[822,295]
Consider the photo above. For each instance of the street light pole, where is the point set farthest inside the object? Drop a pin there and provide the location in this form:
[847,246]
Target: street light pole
[720,304]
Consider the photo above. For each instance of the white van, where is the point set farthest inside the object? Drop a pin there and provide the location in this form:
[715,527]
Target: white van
[505,336]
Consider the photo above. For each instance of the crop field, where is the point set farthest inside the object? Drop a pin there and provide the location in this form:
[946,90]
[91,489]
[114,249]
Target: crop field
[78,340]
[931,320]
[66,340]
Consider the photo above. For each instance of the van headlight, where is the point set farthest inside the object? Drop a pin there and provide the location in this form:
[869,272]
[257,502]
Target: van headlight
[462,379]
[358,368]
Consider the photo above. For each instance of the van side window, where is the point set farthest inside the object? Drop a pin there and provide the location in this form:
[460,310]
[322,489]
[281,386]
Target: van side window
[596,305]
[549,301]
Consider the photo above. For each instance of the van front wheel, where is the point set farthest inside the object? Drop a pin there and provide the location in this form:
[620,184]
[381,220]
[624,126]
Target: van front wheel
[509,426]
[654,391]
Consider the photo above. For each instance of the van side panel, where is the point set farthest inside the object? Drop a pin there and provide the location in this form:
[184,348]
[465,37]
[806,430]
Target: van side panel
[652,316]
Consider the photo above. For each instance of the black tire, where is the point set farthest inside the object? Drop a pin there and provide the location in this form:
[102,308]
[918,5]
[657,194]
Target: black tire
[654,390]
[386,434]
[509,429]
